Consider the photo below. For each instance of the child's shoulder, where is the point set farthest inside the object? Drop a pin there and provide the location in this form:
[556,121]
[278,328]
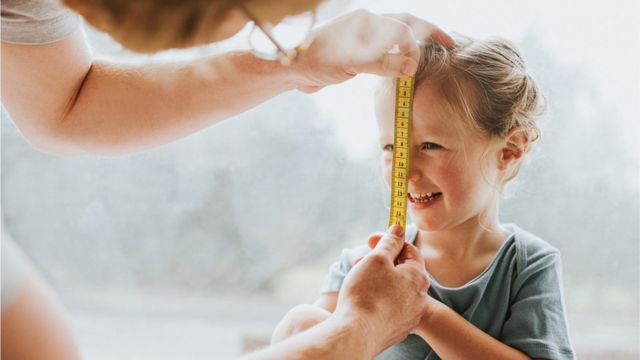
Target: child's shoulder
[531,250]
[349,255]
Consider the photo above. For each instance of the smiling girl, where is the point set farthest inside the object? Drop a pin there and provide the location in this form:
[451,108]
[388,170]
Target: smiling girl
[496,289]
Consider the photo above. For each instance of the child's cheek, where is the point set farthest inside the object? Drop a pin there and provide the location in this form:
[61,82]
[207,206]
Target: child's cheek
[455,183]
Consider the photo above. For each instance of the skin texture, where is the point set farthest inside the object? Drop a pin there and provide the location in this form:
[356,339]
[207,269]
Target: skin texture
[381,301]
[33,325]
[446,156]
[99,107]
[459,233]
[88,106]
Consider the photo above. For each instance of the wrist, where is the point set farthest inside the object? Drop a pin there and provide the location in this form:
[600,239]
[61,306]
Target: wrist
[432,308]
[298,73]
[355,333]
[272,72]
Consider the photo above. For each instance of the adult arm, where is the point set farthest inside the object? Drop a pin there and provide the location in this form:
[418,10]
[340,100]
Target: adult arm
[67,103]
[331,339]
[34,325]
[452,337]
[380,302]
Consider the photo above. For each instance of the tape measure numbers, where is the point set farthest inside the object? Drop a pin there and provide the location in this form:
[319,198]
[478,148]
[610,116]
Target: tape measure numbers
[400,164]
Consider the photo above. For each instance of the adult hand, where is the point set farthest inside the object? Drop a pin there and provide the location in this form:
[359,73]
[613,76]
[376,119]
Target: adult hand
[361,42]
[384,292]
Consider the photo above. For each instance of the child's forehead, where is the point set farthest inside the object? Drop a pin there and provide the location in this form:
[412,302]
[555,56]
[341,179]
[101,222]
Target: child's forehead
[432,113]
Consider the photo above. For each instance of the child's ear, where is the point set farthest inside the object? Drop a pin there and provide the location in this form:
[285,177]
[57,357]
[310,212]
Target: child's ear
[514,147]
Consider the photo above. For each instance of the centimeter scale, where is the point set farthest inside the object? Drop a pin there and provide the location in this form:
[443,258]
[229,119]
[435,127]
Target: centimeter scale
[400,164]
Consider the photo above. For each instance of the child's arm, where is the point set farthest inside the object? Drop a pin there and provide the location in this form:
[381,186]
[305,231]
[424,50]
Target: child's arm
[452,337]
[305,316]
[327,301]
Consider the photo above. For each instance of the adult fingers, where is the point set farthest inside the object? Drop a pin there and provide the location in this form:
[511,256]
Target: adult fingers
[424,30]
[396,65]
[390,65]
[399,34]
[391,243]
[410,254]
[410,258]
[373,239]
[393,49]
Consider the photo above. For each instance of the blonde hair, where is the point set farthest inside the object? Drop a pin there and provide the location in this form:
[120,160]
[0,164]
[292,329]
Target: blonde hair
[487,83]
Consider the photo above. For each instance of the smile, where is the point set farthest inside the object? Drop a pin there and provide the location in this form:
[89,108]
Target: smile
[423,198]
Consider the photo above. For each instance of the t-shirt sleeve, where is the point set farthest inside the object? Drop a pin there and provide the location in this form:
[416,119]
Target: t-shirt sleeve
[339,270]
[537,324]
[36,22]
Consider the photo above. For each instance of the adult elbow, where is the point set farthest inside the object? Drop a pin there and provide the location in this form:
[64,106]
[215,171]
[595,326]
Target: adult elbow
[51,139]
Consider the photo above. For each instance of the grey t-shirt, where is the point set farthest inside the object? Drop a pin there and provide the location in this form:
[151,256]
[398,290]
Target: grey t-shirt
[35,22]
[517,299]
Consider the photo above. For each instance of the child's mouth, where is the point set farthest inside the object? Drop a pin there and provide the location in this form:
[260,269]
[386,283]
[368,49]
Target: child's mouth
[420,198]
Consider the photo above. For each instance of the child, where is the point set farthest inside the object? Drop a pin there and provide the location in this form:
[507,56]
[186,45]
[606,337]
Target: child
[496,290]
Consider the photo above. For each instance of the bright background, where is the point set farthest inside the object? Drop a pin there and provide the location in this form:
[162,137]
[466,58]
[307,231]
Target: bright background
[196,249]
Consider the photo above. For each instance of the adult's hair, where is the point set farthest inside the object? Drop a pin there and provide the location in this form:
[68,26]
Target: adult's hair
[153,25]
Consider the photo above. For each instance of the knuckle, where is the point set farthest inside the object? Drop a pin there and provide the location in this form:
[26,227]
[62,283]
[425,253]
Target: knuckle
[415,274]
[393,238]
[404,30]
[407,17]
[419,277]
[361,13]
[424,284]
[386,62]
[377,259]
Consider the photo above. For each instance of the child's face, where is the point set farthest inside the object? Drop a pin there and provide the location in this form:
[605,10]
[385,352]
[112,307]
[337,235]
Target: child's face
[447,159]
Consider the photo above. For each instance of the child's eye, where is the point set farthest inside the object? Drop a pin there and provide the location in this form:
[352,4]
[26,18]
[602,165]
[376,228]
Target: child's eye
[388,147]
[430,146]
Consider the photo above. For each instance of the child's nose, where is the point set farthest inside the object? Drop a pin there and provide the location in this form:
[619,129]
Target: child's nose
[414,173]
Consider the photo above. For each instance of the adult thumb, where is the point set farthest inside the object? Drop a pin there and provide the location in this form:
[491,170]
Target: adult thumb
[391,243]
[391,65]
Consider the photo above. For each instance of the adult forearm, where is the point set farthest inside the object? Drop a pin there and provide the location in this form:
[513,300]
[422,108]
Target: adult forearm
[452,337]
[334,338]
[125,108]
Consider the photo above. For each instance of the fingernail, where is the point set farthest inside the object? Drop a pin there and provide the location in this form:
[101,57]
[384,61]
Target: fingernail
[396,230]
[409,67]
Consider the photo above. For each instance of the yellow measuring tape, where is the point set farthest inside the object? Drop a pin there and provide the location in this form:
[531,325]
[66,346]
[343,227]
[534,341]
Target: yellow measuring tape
[400,165]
